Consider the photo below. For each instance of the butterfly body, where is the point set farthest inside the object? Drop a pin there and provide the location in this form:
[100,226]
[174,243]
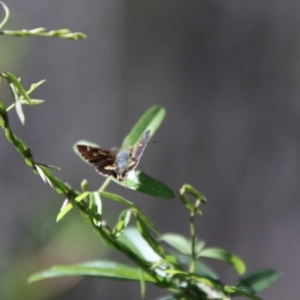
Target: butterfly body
[114,162]
[123,158]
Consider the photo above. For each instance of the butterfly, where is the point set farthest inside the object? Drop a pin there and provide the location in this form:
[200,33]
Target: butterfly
[114,162]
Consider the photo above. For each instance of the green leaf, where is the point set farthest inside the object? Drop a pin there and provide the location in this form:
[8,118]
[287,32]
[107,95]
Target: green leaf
[146,221]
[102,269]
[139,181]
[234,291]
[35,86]
[97,200]
[48,166]
[223,255]
[81,196]
[186,190]
[177,241]
[25,102]
[118,199]
[143,229]
[182,244]
[191,276]
[124,219]
[64,211]
[84,185]
[201,268]
[151,119]
[133,240]
[69,206]
[206,271]
[259,280]
[43,175]
[33,101]
[17,103]
[12,79]
[59,186]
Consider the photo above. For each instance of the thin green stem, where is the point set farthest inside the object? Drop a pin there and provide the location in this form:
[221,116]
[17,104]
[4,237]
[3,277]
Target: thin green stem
[10,107]
[60,33]
[193,242]
[142,285]
[193,236]
[6,17]
[104,184]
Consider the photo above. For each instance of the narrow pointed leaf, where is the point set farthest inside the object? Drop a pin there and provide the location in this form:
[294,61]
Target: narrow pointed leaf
[81,196]
[33,101]
[25,102]
[101,269]
[259,280]
[193,206]
[223,255]
[69,206]
[35,86]
[201,269]
[118,199]
[177,241]
[20,112]
[17,103]
[234,291]
[144,230]
[98,203]
[48,166]
[191,276]
[43,175]
[123,222]
[151,120]
[133,239]
[12,79]
[84,185]
[64,211]
[143,183]
[188,189]
[146,221]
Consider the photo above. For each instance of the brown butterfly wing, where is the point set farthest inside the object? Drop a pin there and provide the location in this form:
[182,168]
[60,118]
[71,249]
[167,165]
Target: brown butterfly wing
[138,150]
[103,160]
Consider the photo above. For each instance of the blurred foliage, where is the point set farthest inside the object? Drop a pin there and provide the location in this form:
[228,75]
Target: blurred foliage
[45,244]
[12,53]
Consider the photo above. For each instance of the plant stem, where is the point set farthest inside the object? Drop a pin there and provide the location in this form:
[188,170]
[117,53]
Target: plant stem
[193,242]
[104,184]
[6,10]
